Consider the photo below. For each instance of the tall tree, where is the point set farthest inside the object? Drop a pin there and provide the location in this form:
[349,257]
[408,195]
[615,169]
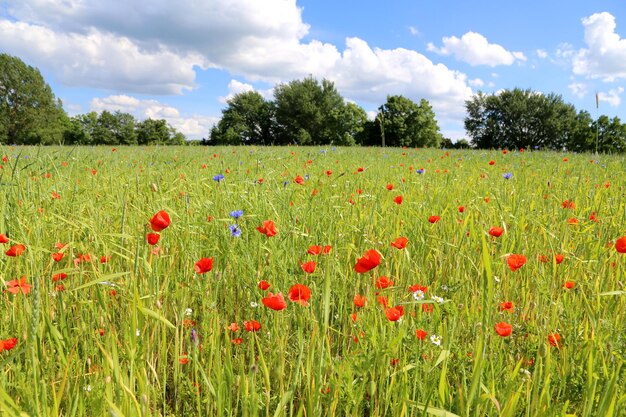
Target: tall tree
[247,120]
[29,112]
[406,123]
[310,113]
[520,119]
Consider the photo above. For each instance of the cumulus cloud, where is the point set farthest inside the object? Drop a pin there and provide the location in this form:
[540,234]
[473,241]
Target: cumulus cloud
[605,55]
[476,82]
[141,46]
[542,53]
[612,97]
[474,49]
[98,59]
[578,89]
[194,127]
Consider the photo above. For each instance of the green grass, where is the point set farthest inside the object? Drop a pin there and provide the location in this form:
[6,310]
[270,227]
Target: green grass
[84,351]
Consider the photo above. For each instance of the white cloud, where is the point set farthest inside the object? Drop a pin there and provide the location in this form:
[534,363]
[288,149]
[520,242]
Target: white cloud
[474,49]
[605,55]
[194,127]
[370,74]
[578,89]
[138,46]
[98,59]
[414,31]
[542,53]
[235,87]
[612,97]
[476,82]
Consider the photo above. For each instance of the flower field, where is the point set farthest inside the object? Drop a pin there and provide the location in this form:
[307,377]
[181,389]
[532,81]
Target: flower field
[311,281]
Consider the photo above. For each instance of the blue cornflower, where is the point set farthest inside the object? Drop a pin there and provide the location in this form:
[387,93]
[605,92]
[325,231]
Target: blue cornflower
[285,184]
[236,214]
[421,171]
[218,177]
[507,175]
[235,231]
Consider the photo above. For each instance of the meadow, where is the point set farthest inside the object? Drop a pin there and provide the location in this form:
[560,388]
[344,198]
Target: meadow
[289,281]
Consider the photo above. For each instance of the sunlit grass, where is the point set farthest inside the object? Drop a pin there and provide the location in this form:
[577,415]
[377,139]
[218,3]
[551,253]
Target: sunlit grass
[120,338]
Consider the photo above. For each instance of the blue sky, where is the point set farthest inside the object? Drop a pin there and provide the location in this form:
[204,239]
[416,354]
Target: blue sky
[181,60]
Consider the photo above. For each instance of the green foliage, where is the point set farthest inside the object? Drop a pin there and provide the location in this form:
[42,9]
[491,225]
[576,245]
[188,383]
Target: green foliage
[246,121]
[406,123]
[518,118]
[29,112]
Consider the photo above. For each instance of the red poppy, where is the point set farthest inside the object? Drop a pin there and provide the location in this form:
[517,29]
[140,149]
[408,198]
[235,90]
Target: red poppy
[104,259]
[153,238]
[58,256]
[593,217]
[251,326]
[314,250]
[353,317]
[359,300]
[434,219]
[309,267]
[8,344]
[620,244]
[461,209]
[394,313]
[275,302]
[554,339]
[420,334]
[559,258]
[237,341]
[59,276]
[329,173]
[327,250]
[515,261]
[15,250]
[568,205]
[427,308]
[233,327]
[507,306]
[383,301]
[390,187]
[17,285]
[59,245]
[569,285]
[3,238]
[299,180]
[383,282]
[572,220]
[400,242]
[398,199]
[496,231]
[417,287]
[204,265]
[160,221]
[359,169]
[264,285]
[300,293]
[503,329]
[183,359]
[268,228]
[367,262]
[492,162]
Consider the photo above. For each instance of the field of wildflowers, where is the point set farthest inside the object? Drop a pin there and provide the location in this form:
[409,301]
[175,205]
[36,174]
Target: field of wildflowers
[311,281]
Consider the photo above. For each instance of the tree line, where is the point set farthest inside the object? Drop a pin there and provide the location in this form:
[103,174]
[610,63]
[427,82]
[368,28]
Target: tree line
[310,112]
[30,114]
[307,112]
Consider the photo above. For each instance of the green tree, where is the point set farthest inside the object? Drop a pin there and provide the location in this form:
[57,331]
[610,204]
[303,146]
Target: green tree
[247,120]
[29,111]
[406,123]
[153,132]
[310,113]
[611,134]
[520,119]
